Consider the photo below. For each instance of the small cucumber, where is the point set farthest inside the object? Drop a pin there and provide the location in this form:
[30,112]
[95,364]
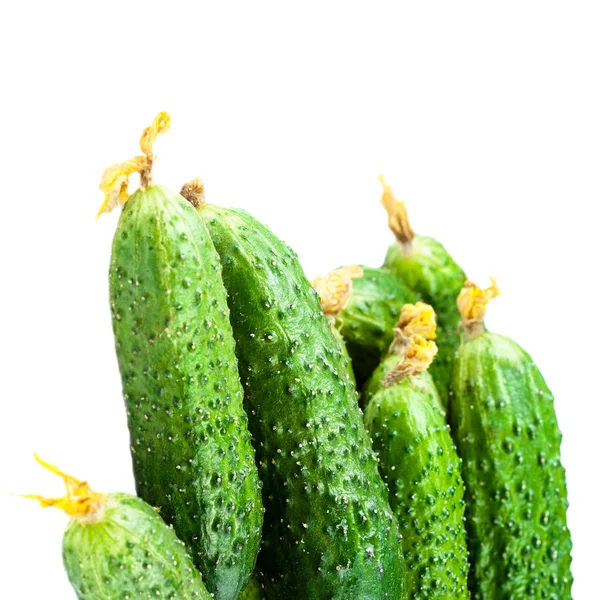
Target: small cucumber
[191,448]
[504,425]
[116,546]
[365,304]
[418,461]
[329,531]
[427,268]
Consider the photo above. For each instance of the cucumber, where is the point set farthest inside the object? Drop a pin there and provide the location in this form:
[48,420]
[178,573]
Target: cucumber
[504,425]
[116,546]
[329,531]
[191,448]
[427,268]
[419,463]
[365,304]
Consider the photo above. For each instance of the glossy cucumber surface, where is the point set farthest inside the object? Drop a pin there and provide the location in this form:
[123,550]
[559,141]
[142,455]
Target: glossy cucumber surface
[504,425]
[190,444]
[345,354]
[428,269]
[419,463]
[329,532]
[129,554]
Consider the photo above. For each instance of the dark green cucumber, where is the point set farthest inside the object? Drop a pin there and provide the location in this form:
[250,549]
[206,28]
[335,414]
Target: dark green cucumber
[329,532]
[504,425]
[117,546]
[419,463]
[191,448]
[367,318]
[424,265]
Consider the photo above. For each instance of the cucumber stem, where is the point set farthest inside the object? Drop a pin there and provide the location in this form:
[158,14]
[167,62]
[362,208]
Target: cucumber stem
[472,304]
[115,179]
[80,503]
[397,217]
[193,192]
[335,289]
[413,342]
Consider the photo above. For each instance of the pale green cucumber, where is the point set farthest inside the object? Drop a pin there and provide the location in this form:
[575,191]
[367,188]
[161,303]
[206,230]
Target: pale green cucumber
[117,546]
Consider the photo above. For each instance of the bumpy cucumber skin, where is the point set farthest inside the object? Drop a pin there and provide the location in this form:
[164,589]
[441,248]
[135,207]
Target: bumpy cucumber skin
[345,354]
[190,444]
[329,531]
[367,321]
[253,591]
[430,271]
[418,461]
[504,425]
[129,554]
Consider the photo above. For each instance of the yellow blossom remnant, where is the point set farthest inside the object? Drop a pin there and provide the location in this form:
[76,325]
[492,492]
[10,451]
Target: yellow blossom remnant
[397,215]
[115,179]
[80,502]
[335,289]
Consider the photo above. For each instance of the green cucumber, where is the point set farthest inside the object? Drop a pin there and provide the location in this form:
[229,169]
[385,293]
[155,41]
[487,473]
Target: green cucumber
[365,312]
[116,546]
[419,463]
[427,268]
[504,425]
[191,448]
[329,532]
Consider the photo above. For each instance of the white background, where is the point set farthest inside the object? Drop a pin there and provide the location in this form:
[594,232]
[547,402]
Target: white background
[485,118]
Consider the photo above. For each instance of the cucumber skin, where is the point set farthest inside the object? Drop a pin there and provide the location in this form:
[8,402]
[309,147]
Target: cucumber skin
[190,444]
[431,272]
[504,424]
[130,554]
[367,322]
[419,463]
[329,532]
[345,355]
[253,591]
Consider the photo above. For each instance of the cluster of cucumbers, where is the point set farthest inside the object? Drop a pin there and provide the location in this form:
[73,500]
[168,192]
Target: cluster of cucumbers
[361,437]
